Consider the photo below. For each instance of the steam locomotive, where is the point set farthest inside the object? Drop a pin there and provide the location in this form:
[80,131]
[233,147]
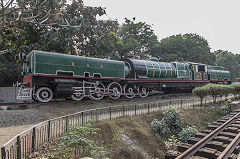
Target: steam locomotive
[49,75]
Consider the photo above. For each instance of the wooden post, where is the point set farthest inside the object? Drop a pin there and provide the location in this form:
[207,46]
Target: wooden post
[49,130]
[148,108]
[135,109]
[18,148]
[3,153]
[33,139]
[110,113]
[82,118]
[66,124]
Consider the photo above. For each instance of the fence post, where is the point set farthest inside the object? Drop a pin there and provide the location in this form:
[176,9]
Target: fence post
[96,115]
[123,110]
[205,101]
[148,108]
[66,128]
[181,103]
[33,139]
[110,112]
[3,153]
[49,130]
[170,102]
[82,118]
[18,148]
[135,109]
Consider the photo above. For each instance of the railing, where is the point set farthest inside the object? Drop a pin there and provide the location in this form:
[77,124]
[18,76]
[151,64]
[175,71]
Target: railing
[31,140]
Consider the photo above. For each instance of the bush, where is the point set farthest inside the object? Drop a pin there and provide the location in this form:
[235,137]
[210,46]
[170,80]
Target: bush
[235,89]
[172,122]
[201,92]
[214,91]
[160,127]
[187,132]
[228,90]
[77,140]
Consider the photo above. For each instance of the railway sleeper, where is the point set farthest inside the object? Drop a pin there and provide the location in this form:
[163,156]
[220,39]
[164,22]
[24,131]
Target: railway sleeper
[220,146]
[231,129]
[218,123]
[229,134]
[193,140]
[223,139]
[208,153]
[200,135]
[221,121]
[171,154]
[198,157]
[236,125]
[206,131]
[212,127]
[237,121]
[183,147]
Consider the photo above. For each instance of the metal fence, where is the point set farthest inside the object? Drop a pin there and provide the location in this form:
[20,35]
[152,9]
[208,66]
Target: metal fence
[31,140]
[8,94]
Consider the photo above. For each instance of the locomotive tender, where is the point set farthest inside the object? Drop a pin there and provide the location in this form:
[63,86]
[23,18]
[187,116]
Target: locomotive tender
[50,75]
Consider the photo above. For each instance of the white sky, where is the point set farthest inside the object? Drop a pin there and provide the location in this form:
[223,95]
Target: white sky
[216,20]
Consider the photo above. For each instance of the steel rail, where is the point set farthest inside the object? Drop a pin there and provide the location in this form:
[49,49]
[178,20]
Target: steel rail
[192,150]
[230,148]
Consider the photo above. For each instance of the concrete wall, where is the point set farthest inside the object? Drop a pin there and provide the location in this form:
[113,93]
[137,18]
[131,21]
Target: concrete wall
[8,94]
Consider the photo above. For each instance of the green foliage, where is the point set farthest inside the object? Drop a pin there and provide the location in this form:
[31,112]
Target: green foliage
[171,123]
[137,38]
[201,92]
[78,140]
[230,61]
[227,107]
[187,47]
[214,90]
[228,89]
[235,89]
[187,132]
[116,139]
[172,143]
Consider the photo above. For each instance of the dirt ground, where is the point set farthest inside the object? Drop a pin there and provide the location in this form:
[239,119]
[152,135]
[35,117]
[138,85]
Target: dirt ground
[13,122]
[6,133]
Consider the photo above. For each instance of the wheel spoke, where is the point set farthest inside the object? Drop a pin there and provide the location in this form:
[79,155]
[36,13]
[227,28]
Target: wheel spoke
[129,91]
[115,90]
[97,92]
[44,94]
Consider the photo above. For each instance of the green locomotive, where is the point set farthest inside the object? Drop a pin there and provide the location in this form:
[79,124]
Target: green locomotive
[48,75]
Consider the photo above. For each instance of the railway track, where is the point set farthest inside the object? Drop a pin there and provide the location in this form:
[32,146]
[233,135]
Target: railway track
[219,141]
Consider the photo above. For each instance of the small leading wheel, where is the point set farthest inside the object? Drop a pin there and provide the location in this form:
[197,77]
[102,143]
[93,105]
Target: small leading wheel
[115,90]
[77,95]
[44,94]
[143,91]
[97,92]
[129,91]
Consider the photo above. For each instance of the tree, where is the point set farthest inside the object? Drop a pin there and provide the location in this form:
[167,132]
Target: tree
[136,38]
[74,23]
[229,61]
[187,47]
[70,28]
[108,42]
